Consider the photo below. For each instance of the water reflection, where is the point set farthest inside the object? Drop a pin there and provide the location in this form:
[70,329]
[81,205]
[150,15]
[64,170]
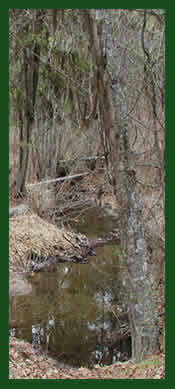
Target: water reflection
[93,222]
[71,312]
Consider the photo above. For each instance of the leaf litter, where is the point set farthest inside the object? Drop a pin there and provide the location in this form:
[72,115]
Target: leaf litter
[28,363]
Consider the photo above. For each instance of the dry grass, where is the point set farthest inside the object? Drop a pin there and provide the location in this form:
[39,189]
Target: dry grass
[29,234]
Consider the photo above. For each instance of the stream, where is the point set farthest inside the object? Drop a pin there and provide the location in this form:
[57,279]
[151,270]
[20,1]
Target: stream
[74,313]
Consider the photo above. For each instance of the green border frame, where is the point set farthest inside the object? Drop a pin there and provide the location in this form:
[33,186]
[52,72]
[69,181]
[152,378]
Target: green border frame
[4,163]
[5,170]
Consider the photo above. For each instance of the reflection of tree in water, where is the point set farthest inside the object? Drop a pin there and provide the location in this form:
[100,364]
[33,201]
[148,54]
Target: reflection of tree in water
[70,312]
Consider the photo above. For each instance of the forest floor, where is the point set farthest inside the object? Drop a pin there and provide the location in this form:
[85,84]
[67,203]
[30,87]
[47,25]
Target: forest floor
[28,363]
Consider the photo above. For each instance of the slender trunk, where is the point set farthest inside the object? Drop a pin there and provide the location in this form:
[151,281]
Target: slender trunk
[110,140]
[31,57]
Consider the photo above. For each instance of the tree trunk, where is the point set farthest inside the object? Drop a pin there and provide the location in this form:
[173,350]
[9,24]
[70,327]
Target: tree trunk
[142,313]
[109,130]
[31,75]
[137,278]
[121,164]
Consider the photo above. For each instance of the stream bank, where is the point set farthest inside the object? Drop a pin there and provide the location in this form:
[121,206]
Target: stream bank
[25,362]
[75,304]
[78,270]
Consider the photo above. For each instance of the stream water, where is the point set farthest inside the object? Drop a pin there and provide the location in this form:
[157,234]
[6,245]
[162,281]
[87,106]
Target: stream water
[74,313]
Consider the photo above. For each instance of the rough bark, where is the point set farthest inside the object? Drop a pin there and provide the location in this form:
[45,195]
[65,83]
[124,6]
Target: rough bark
[121,164]
[142,312]
[137,278]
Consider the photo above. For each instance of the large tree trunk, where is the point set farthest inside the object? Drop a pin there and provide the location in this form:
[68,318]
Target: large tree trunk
[141,307]
[136,276]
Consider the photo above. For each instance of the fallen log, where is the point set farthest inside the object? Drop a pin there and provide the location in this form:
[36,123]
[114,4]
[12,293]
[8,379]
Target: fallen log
[50,263]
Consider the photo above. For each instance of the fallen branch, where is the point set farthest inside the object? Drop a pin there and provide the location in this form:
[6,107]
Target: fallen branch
[94,158]
[66,178]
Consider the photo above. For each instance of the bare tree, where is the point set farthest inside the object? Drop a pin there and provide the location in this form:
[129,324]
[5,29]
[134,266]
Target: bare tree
[122,167]
[29,76]
[101,70]
[109,135]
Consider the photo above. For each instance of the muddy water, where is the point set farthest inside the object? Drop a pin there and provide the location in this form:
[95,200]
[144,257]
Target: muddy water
[74,312]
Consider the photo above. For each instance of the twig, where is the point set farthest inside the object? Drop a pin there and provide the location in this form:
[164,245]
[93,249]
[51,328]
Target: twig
[12,360]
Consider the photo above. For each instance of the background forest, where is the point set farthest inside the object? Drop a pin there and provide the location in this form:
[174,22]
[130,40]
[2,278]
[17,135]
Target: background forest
[87,95]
